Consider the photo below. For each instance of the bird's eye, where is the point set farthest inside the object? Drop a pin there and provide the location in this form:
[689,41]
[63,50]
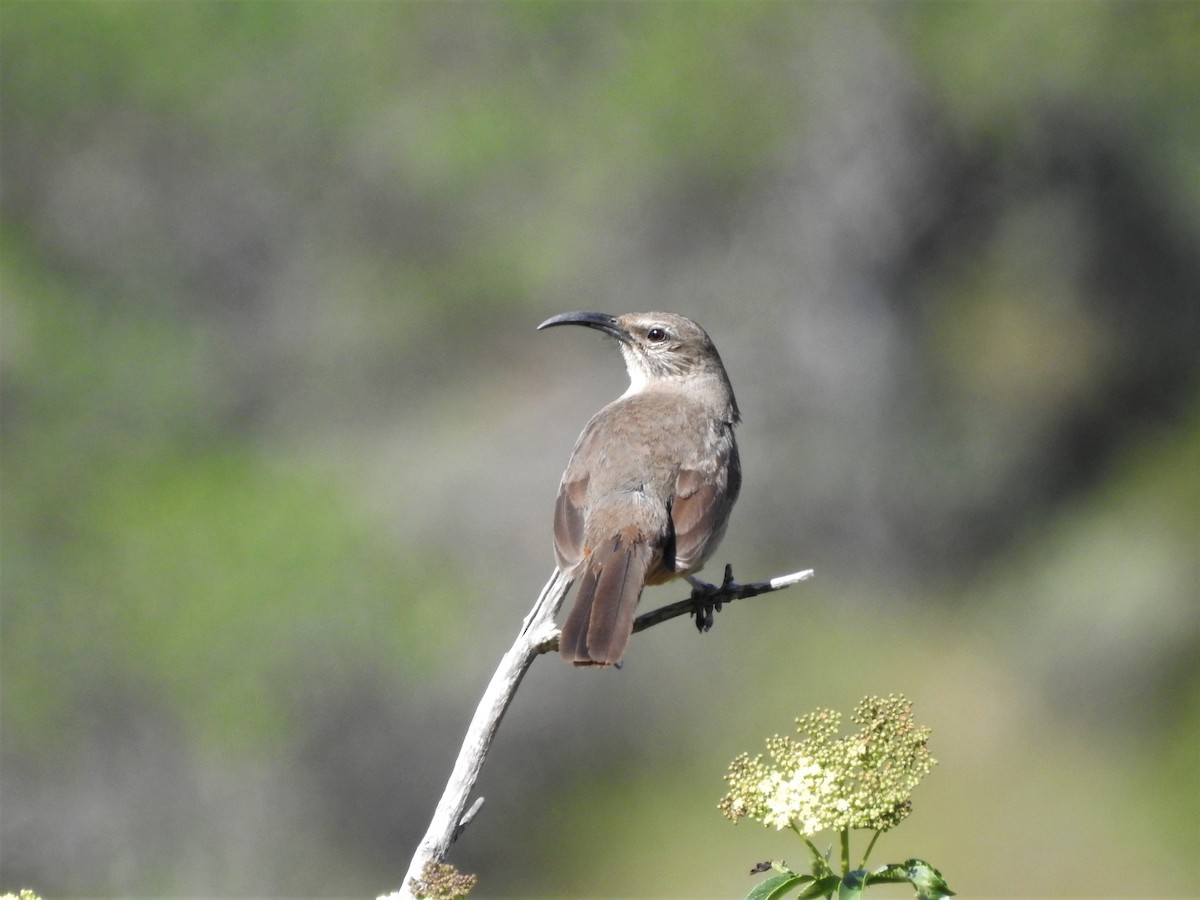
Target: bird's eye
[656,335]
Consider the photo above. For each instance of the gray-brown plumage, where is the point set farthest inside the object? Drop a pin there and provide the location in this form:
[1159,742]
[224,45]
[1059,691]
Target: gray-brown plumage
[647,493]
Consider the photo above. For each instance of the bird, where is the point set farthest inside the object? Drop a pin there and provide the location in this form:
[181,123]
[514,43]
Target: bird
[647,492]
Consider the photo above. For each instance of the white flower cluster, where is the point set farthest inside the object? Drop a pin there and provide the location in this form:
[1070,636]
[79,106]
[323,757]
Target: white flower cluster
[826,782]
[802,798]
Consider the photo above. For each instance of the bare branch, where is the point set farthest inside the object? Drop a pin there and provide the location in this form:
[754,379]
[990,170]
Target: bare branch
[707,597]
[540,635]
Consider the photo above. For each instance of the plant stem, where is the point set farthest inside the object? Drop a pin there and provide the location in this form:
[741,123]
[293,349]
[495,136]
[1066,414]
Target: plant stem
[845,852]
[870,847]
[818,859]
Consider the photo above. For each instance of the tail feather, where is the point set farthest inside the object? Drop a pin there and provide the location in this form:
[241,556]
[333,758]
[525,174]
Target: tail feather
[601,621]
[572,643]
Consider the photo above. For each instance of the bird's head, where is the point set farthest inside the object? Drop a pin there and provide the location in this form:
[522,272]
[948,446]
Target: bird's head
[660,348]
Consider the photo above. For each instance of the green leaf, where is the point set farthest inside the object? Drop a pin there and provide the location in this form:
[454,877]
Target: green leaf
[851,887]
[820,887]
[776,886]
[927,880]
[921,875]
[894,873]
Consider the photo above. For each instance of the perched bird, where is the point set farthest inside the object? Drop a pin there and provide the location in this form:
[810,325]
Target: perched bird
[648,489]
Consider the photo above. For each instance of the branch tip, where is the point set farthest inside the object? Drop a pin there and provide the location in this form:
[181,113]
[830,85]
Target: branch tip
[783,581]
[466,819]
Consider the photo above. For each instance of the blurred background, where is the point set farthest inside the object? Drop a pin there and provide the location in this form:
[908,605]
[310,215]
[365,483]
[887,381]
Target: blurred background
[280,443]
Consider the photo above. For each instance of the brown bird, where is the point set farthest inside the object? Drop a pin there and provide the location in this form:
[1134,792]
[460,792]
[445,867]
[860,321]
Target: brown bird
[647,493]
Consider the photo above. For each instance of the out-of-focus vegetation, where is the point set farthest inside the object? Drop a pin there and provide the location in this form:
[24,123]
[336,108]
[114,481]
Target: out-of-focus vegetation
[279,443]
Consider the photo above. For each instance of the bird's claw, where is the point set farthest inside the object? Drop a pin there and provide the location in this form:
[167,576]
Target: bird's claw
[707,598]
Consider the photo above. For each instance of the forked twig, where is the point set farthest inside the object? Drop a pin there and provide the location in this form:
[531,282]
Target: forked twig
[540,635]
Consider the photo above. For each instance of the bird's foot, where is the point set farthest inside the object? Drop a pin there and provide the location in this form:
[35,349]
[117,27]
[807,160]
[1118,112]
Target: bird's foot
[707,598]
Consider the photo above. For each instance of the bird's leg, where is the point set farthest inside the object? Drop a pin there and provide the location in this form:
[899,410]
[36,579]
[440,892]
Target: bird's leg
[707,598]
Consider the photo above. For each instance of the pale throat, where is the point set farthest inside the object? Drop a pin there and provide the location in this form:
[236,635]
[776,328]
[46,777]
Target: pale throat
[638,376]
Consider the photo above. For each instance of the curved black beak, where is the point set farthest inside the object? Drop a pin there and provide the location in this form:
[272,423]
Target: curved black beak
[601,321]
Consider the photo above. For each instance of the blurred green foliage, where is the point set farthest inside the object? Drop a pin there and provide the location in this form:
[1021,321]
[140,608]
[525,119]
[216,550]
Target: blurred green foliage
[141,539]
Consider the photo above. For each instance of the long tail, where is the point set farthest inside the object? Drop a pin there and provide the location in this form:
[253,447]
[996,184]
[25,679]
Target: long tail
[601,622]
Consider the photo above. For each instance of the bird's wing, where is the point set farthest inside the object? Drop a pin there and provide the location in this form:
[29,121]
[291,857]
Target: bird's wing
[700,507]
[568,522]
